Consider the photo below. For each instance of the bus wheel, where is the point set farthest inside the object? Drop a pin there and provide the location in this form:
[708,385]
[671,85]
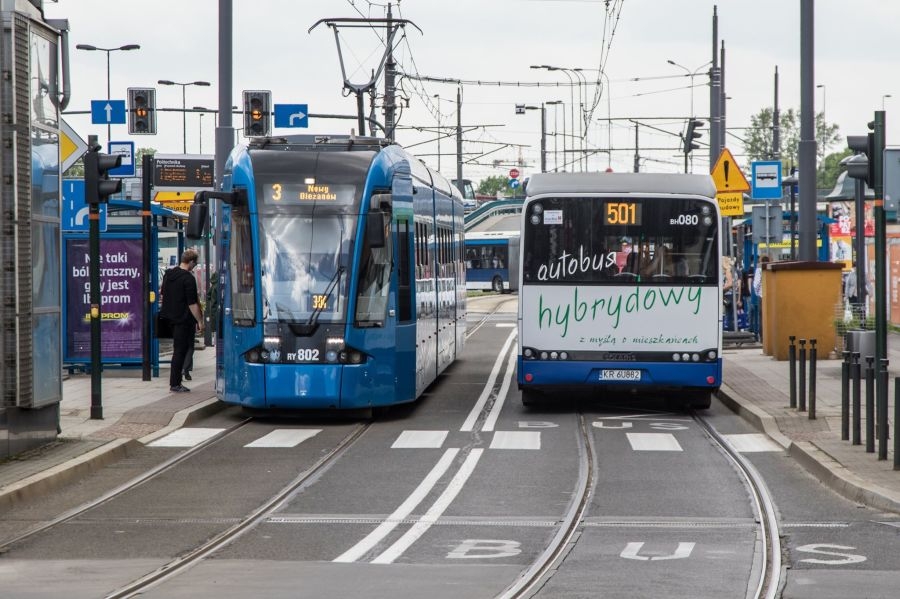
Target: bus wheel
[497,285]
[531,398]
[698,400]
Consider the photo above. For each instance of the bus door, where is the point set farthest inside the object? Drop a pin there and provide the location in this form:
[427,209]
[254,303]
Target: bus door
[405,290]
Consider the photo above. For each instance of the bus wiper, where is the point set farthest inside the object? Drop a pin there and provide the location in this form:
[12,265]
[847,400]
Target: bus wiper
[309,327]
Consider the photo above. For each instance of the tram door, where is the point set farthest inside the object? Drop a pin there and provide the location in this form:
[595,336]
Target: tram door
[405,276]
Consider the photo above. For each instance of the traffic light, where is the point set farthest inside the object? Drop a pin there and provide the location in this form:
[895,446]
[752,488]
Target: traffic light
[257,108]
[864,168]
[97,184]
[142,111]
[691,134]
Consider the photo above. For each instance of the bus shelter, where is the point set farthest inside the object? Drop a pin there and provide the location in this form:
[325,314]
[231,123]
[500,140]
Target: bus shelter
[122,274]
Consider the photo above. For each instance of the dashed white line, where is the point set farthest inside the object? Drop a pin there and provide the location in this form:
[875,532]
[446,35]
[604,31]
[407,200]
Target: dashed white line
[420,440]
[285,437]
[516,440]
[186,437]
[653,442]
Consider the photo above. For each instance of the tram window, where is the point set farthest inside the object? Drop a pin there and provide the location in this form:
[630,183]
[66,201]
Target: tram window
[403,272]
[374,279]
[243,271]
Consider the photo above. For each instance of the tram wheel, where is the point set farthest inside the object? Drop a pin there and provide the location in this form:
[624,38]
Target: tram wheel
[497,285]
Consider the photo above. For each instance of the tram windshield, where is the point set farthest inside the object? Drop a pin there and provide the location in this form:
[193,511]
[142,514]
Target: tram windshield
[300,256]
[620,241]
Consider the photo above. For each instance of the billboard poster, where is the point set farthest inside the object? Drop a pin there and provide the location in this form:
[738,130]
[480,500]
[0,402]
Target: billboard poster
[122,311]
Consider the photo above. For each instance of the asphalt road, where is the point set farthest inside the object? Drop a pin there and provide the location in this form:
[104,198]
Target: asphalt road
[455,496]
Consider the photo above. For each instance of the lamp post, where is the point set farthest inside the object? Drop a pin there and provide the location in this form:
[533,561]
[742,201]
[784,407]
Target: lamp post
[183,104]
[690,74]
[440,131]
[883,96]
[571,98]
[91,48]
[556,103]
[202,112]
[543,110]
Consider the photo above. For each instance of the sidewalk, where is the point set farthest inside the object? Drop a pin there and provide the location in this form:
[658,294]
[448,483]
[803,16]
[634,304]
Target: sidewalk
[758,388]
[134,412]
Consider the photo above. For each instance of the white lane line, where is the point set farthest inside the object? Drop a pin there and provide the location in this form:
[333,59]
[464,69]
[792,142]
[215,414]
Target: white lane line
[420,440]
[516,440]
[434,512]
[402,512]
[506,325]
[469,424]
[752,443]
[491,419]
[186,437]
[653,442]
[285,437]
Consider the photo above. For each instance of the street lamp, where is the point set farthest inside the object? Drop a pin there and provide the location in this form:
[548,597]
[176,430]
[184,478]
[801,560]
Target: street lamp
[556,103]
[183,104]
[571,99]
[543,110]
[91,48]
[882,99]
[690,74]
[202,112]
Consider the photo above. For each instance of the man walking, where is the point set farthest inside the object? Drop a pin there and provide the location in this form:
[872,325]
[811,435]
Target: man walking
[182,308]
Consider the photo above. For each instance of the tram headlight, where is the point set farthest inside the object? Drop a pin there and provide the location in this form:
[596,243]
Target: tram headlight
[331,355]
[253,356]
[334,343]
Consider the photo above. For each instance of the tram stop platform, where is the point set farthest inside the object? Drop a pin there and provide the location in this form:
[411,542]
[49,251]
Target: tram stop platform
[755,386]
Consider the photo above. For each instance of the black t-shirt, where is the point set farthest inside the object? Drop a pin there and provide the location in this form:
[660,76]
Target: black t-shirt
[179,290]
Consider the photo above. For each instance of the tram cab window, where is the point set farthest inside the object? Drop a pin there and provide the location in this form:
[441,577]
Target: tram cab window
[375,277]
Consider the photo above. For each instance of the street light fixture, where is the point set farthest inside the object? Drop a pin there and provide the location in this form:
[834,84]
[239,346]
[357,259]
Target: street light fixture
[92,48]
[184,104]
[202,112]
[556,103]
[572,84]
[882,99]
[690,74]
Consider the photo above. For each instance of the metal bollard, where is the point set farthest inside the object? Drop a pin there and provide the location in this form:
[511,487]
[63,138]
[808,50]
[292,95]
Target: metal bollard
[882,408]
[792,371]
[870,405]
[854,376]
[812,379]
[801,400]
[845,396]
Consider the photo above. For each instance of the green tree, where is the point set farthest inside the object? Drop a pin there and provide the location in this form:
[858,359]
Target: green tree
[830,169]
[491,185]
[758,137]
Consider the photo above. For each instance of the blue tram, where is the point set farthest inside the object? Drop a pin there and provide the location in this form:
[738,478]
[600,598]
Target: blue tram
[341,273]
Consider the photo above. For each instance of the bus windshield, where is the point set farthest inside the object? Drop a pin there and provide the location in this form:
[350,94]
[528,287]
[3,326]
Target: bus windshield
[300,256]
[620,240]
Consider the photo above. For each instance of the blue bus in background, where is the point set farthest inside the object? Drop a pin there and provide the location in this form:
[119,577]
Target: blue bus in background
[492,261]
[342,282]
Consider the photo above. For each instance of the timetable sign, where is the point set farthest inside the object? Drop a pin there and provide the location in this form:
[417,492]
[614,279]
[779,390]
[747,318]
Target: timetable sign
[183,172]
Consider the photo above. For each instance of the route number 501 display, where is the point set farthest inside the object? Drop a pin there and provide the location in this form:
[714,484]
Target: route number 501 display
[622,213]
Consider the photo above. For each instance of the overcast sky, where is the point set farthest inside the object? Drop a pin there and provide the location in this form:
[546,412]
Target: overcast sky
[495,41]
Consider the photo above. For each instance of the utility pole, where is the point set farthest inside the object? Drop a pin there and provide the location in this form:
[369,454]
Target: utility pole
[389,84]
[776,126]
[715,93]
[637,154]
[459,148]
[807,135]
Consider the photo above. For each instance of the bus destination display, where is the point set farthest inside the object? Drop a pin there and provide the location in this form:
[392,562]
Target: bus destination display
[622,213]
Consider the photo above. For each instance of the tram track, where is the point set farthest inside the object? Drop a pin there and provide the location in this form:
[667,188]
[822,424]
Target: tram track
[129,485]
[487,316]
[260,514]
[769,569]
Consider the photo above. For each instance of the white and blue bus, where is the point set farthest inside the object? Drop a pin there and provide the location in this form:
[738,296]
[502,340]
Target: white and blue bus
[492,261]
[620,285]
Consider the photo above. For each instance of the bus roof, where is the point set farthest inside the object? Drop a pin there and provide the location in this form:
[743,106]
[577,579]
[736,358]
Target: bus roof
[549,183]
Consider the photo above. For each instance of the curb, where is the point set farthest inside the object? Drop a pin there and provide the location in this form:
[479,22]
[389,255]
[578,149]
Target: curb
[71,470]
[814,460]
[61,474]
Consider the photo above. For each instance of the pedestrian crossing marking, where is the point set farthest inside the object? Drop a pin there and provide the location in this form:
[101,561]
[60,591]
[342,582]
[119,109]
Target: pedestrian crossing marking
[653,442]
[420,440]
[186,437]
[752,443]
[516,440]
[285,437]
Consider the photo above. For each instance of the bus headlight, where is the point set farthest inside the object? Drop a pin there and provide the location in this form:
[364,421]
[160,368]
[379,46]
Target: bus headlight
[695,357]
[563,356]
[553,355]
[529,353]
[712,354]
[676,357]
[543,355]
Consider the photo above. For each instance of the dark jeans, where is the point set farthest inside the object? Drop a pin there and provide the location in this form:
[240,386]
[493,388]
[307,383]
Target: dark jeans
[182,341]
[189,357]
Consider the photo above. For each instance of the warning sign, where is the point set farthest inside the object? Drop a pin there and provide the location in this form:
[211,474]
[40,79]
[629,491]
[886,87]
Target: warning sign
[727,174]
[731,204]
[179,201]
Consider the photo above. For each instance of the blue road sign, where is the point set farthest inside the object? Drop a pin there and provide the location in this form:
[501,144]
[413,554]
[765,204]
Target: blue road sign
[126,150]
[514,183]
[107,112]
[766,180]
[291,115]
[75,210]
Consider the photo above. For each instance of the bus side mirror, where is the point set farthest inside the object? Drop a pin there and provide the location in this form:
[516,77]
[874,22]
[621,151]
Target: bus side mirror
[375,229]
[196,223]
